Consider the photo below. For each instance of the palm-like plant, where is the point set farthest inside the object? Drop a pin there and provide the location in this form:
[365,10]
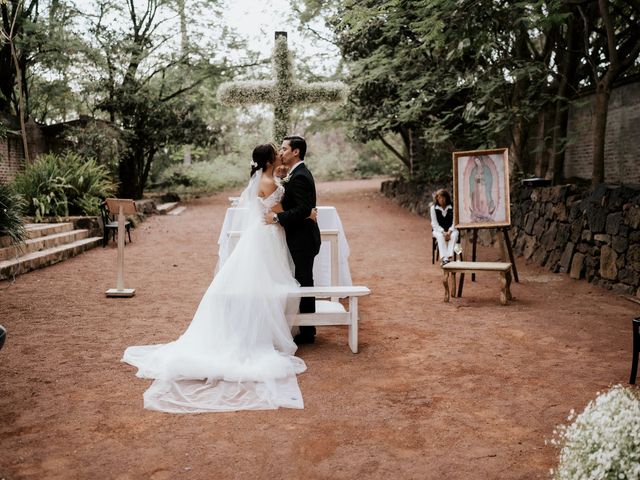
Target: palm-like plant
[61,185]
[12,207]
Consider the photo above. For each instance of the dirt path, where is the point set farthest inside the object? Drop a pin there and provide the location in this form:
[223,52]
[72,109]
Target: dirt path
[463,390]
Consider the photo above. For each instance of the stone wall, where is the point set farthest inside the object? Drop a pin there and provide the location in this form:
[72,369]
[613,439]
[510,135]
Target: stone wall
[588,233]
[415,197]
[592,234]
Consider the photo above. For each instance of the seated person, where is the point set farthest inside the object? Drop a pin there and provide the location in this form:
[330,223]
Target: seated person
[442,225]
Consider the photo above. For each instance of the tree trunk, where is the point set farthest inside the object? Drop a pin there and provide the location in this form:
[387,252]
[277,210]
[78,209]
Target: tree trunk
[520,125]
[516,149]
[393,150]
[603,93]
[7,79]
[129,172]
[147,167]
[568,66]
[184,37]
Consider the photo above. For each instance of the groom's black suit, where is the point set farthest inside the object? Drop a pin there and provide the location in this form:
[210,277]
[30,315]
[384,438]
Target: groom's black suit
[303,234]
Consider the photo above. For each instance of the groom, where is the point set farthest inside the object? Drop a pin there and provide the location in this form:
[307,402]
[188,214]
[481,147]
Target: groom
[303,234]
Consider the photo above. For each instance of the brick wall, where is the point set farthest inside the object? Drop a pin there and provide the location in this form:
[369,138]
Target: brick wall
[11,157]
[622,146]
[11,153]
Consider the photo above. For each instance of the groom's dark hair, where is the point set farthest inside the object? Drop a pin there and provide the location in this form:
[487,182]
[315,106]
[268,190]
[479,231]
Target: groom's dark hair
[298,142]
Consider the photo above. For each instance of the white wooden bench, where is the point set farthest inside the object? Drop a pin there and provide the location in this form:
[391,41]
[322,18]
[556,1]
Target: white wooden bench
[331,312]
[326,235]
[503,268]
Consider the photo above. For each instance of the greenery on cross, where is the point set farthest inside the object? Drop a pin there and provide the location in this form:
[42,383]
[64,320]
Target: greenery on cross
[284,92]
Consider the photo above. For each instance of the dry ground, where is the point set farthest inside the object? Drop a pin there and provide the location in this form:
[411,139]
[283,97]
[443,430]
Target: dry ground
[465,390]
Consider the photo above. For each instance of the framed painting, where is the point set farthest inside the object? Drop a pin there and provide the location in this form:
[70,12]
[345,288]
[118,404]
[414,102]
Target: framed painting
[481,189]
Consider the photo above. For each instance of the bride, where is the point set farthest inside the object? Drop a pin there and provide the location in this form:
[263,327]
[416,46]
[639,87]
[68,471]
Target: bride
[238,352]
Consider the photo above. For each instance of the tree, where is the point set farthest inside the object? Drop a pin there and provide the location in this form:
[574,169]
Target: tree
[143,85]
[612,46]
[438,86]
[13,60]
[469,74]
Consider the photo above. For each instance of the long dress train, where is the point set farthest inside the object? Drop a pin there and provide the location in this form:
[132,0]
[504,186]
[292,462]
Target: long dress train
[238,352]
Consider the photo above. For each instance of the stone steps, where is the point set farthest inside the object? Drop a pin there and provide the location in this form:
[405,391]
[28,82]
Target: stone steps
[41,243]
[177,210]
[35,230]
[47,244]
[165,208]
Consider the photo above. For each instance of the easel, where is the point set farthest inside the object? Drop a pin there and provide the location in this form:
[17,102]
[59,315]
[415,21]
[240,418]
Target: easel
[474,242]
[123,207]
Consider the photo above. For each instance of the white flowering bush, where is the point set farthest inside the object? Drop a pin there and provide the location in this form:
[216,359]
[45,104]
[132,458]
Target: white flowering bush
[603,442]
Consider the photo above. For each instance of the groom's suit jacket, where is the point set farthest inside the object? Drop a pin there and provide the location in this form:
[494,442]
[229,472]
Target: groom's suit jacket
[303,234]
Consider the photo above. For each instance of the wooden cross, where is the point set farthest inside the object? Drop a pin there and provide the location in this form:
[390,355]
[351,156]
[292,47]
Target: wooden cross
[283,92]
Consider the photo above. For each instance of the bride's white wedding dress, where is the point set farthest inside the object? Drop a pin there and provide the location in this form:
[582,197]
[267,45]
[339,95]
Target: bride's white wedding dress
[238,352]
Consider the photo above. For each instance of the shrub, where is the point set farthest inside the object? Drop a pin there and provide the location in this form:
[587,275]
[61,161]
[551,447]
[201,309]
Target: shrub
[223,172]
[603,442]
[62,185]
[11,210]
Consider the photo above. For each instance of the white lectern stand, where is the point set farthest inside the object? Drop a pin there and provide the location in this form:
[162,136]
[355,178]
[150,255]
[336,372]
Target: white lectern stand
[123,207]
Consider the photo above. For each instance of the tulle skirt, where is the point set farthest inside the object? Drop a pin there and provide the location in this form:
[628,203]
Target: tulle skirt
[238,351]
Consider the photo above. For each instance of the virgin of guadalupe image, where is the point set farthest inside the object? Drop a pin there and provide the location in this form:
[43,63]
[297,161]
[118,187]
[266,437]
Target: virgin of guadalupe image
[480,187]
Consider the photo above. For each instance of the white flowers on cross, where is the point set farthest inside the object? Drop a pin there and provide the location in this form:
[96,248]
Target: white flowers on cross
[283,93]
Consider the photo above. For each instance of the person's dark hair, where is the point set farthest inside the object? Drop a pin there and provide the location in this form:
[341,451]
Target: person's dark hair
[444,193]
[263,155]
[297,142]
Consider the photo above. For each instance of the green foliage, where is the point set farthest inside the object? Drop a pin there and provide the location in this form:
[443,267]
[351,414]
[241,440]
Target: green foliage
[12,207]
[100,141]
[333,156]
[62,185]
[442,76]
[206,177]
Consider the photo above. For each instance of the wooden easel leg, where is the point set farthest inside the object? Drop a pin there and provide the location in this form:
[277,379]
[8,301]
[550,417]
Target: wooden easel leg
[507,241]
[461,284]
[636,350]
[473,251]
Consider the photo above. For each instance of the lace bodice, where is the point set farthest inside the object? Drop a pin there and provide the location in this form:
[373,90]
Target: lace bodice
[271,200]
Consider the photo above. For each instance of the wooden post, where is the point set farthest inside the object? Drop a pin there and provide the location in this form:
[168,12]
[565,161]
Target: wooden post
[120,291]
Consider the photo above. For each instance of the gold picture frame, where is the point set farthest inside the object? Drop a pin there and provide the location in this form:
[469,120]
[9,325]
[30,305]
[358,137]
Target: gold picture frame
[481,189]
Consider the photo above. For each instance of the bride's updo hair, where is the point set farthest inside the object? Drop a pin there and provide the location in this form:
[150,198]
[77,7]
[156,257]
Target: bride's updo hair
[263,155]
